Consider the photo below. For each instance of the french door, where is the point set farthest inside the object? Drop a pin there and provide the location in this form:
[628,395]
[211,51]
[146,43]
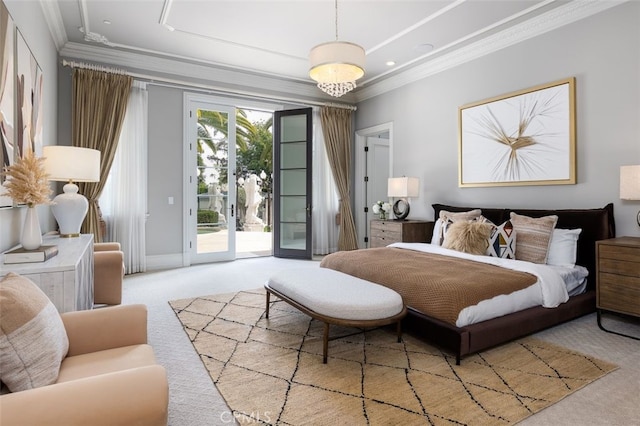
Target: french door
[210,187]
[292,136]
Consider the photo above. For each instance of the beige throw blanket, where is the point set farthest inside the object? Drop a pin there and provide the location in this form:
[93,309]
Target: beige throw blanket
[436,285]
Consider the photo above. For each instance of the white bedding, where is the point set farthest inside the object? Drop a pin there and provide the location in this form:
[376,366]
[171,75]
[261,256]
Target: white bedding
[554,285]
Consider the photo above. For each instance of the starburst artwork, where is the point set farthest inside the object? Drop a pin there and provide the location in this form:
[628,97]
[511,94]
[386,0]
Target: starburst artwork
[523,138]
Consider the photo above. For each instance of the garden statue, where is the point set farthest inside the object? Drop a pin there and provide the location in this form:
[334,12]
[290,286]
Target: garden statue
[252,222]
[216,201]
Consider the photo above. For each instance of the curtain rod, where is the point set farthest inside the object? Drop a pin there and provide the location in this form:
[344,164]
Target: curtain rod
[93,67]
[168,82]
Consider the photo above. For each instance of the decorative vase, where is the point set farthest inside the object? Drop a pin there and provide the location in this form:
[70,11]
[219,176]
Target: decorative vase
[383,215]
[31,234]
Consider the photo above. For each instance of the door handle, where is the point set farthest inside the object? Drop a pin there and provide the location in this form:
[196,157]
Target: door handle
[232,207]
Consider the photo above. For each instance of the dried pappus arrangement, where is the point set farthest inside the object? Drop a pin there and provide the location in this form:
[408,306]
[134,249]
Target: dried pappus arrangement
[27,181]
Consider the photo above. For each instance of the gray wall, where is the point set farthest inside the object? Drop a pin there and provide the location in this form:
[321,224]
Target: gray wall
[602,52]
[165,176]
[30,21]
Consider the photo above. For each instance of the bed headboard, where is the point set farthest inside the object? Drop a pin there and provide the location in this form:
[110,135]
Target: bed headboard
[596,224]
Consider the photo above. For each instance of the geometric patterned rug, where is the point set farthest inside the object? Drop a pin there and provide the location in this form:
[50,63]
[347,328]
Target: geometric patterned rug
[270,371]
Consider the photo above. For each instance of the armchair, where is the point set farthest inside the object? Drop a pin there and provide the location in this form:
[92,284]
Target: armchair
[109,270]
[108,377]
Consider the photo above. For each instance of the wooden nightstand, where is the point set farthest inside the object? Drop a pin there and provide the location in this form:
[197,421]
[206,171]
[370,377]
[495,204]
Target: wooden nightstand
[384,232]
[618,278]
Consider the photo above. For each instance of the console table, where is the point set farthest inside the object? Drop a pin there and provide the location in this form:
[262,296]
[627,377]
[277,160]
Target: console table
[67,278]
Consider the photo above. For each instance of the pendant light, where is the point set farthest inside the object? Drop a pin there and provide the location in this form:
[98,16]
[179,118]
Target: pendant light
[336,65]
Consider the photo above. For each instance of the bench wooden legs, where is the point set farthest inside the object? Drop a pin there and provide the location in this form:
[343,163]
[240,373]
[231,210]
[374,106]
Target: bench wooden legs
[266,314]
[325,342]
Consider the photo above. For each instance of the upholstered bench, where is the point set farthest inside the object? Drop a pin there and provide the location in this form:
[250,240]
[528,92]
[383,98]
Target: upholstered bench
[336,298]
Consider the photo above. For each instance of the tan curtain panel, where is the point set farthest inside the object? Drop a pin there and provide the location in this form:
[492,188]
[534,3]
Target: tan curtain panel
[98,110]
[336,126]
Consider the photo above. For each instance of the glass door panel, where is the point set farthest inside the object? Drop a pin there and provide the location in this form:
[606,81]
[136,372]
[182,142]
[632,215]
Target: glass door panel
[292,177]
[212,216]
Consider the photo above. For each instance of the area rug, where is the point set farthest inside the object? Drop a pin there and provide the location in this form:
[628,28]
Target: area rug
[270,371]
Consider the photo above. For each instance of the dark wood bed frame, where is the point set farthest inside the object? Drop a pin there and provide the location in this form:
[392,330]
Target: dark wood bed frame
[596,224]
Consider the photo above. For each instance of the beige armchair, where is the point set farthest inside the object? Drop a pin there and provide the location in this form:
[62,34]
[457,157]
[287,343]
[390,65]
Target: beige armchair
[108,273]
[108,377]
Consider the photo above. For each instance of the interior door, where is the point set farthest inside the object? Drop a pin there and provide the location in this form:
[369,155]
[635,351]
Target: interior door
[212,183]
[377,173]
[292,136]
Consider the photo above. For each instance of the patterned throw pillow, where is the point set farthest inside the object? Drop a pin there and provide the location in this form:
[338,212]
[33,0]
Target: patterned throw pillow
[33,340]
[468,237]
[534,235]
[502,242]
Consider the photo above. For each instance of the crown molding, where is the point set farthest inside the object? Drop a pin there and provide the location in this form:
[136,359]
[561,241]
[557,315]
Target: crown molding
[249,82]
[53,17]
[215,78]
[549,21]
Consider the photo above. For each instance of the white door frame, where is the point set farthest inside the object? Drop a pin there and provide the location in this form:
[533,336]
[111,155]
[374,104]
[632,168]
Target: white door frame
[190,251]
[360,168]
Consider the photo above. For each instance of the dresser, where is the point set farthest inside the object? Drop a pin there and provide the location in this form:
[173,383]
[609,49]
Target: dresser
[618,277]
[67,278]
[384,232]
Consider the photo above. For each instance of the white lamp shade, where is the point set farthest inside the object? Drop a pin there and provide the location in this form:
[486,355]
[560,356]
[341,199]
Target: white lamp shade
[71,163]
[630,182]
[336,62]
[403,187]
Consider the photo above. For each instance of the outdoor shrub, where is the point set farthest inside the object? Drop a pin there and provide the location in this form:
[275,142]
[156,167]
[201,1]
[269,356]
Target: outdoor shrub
[207,216]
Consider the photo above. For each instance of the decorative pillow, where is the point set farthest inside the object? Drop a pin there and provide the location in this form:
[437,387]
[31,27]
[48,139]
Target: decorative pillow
[456,216]
[502,242]
[446,218]
[468,237]
[33,340]
[534,235]
[563,247]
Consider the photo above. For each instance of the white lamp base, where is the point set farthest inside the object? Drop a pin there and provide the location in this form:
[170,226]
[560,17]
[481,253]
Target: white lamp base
[69,210]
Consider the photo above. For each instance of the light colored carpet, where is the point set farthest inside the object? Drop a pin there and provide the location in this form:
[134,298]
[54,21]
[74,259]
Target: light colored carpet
[194,400]
[271,370]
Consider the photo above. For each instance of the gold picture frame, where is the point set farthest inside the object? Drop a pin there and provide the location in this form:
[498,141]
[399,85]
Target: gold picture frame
[526,137]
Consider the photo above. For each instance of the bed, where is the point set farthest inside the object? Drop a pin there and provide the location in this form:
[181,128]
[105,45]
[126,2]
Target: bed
[438,327]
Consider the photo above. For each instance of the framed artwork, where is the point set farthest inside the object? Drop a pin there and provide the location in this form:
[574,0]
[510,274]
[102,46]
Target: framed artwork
[29,99]
[21,84]
[522,138]
[7,96]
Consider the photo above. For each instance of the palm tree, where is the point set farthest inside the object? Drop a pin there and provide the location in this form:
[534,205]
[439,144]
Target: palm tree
[213,133]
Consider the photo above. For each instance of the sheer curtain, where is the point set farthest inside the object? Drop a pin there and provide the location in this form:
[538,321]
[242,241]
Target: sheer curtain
[325,197]
[124,199]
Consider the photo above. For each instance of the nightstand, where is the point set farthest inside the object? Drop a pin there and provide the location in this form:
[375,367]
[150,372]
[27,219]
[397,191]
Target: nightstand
[618,278]
[384,232]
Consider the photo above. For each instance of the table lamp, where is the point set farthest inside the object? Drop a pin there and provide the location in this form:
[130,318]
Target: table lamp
[630,184]
[404,188]
[71,164]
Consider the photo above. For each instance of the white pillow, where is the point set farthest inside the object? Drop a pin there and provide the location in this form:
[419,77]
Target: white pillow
[437,231]
[563,247]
